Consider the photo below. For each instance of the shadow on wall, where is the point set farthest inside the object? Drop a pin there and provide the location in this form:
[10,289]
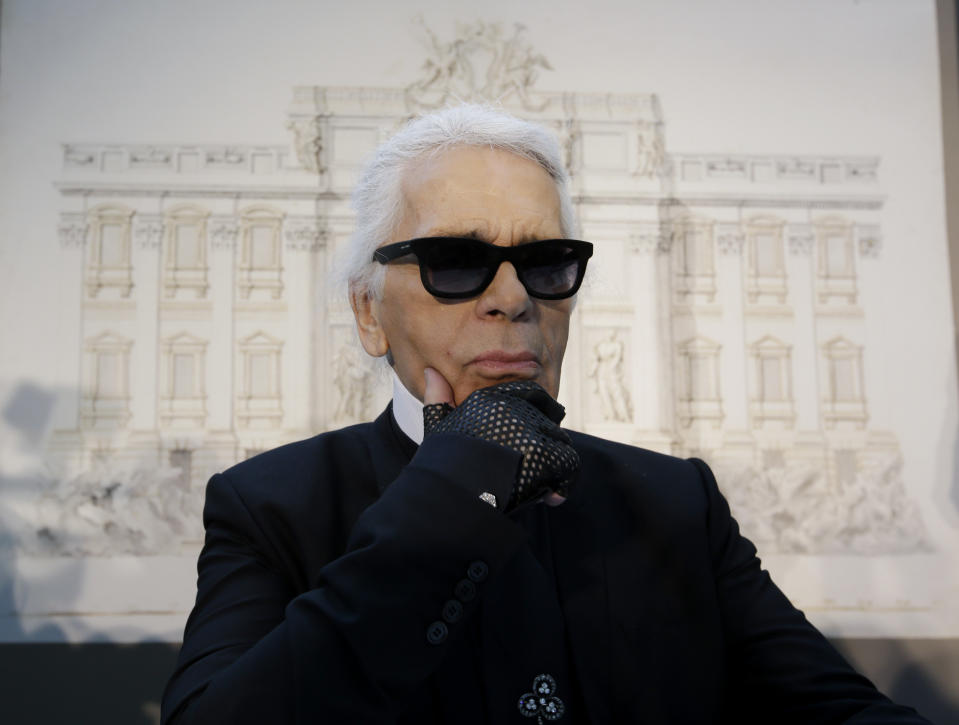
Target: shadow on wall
[921,673]
[116,506]
[28,411]
[46,679]
[953,493]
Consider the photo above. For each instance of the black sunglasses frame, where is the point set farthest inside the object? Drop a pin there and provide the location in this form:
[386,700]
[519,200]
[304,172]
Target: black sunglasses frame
[494,255]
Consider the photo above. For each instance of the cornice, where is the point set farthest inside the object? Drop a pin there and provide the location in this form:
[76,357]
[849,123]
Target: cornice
[210,191]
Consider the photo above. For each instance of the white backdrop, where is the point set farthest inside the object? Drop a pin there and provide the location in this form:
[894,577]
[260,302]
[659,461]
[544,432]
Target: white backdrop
[798,77]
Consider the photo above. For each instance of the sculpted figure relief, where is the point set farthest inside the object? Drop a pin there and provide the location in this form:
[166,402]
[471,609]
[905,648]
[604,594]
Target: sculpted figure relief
[607,372]
[650,151]
[308,143]
[111,510]
[482,63]
[351,379]
[792,509]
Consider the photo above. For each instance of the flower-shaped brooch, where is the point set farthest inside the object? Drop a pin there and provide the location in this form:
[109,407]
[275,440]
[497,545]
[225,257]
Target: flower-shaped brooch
[542,702]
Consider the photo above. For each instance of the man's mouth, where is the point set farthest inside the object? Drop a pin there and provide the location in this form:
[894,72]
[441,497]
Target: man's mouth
[501,362]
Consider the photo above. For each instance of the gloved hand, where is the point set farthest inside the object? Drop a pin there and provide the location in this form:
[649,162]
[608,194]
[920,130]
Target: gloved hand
[519,415]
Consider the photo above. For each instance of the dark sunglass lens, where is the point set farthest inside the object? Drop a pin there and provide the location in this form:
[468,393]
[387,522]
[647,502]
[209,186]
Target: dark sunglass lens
[456,267]
[551,270]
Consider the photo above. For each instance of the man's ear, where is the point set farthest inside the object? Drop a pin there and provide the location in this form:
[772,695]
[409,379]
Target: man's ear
[366,312]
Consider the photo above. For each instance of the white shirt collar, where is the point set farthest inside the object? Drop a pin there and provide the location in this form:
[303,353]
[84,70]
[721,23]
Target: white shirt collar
[408,411]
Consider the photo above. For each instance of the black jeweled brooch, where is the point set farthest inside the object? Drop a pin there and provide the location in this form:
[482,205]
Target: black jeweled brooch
[542,702]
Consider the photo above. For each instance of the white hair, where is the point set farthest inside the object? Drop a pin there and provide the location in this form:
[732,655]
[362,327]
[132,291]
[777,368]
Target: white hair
[377,198]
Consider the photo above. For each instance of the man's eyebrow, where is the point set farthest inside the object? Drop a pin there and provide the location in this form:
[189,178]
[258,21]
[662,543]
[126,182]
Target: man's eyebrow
[453,232]
[478,235]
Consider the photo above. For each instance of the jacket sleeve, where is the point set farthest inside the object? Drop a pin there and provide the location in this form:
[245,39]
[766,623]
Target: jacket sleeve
[782,668]
[354,646]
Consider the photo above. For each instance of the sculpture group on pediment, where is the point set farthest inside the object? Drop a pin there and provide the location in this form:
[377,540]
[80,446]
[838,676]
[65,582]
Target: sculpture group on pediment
[482,63]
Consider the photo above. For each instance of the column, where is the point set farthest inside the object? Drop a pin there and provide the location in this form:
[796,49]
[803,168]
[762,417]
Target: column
[146,256]
[302,241]
[651,374]
[220,365]
[805,353]
[734,382]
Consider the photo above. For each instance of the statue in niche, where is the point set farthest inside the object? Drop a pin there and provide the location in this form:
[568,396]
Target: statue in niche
[568,132]
[607,372]
[651,151]
[307,143]
[352,380]
[454,71]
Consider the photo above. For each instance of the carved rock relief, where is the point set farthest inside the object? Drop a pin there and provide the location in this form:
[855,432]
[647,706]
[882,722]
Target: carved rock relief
[795,510]
[111,510]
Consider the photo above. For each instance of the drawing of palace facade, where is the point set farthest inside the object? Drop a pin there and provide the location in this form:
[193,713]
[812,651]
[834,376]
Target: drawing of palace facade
[724,315]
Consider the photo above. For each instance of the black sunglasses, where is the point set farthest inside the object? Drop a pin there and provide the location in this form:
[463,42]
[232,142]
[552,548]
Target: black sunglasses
[457,268]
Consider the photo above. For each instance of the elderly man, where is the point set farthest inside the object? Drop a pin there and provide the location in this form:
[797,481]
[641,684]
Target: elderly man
[470,561]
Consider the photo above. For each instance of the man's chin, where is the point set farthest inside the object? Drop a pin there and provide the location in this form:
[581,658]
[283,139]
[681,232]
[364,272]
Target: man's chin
[487,381]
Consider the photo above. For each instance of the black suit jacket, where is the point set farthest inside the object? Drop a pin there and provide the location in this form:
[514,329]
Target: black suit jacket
[328,563]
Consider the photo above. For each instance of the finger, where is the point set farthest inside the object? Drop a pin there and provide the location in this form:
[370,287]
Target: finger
[553,499]
[437,390]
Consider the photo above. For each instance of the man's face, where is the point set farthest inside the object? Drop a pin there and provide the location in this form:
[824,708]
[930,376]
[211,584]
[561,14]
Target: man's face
[501,334]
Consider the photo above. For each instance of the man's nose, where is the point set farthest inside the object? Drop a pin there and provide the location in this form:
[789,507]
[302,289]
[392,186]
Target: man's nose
[506,296]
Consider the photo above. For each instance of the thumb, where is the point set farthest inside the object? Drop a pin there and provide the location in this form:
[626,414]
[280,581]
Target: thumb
[437,389]
[554,499]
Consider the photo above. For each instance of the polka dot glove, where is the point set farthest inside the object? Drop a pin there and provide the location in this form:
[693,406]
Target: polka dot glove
[519,415]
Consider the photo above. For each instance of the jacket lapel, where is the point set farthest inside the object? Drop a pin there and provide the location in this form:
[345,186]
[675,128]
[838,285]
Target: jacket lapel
[389,449]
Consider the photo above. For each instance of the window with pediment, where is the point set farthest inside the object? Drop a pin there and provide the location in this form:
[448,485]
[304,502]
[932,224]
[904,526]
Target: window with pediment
[835,262]
[844,399]
[694,267]
[261,253]
[259,402]
[109,261]
[105,401]
[183,396]
[772,397]
[765,261]
[698,388]
[185,252]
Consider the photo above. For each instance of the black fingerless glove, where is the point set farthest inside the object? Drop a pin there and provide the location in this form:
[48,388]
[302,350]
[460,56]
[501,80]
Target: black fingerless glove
[521,416]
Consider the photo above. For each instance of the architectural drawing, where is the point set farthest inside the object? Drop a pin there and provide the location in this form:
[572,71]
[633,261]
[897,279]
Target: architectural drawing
[724,317]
